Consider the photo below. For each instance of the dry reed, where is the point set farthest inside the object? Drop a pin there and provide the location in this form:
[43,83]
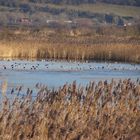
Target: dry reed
[61,45]
[101,52]
[99,111]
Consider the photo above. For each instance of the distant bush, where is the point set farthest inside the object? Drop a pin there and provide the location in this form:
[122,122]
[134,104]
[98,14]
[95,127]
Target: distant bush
[109,18]
[120,22]
[9,3]
[25,7]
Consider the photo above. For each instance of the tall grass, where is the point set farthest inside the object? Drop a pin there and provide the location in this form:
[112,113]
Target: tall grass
[101,52]
[59,44]
[99,111]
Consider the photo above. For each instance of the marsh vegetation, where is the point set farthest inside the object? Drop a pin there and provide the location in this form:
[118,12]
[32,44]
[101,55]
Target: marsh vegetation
[102,111]
[101,43]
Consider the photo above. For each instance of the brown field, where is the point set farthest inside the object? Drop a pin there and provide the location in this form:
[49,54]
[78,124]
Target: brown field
[78,44]
[102,111]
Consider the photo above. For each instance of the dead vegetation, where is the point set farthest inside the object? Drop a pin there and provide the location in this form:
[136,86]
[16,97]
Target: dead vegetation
[99,111]
[73,44]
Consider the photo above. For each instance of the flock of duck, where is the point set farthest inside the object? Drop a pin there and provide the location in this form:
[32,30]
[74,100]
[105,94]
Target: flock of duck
[64,66]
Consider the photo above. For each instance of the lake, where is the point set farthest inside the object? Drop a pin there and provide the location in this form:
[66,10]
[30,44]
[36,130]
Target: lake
[56,73]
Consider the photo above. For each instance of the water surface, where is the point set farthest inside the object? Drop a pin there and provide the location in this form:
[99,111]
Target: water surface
[56,73]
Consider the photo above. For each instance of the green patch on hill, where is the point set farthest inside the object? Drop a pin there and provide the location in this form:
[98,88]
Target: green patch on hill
[102,8]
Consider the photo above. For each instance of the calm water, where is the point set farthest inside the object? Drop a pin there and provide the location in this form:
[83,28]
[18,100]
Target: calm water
[54,74]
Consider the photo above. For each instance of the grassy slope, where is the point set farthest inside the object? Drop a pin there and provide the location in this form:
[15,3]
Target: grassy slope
[103,8]
[95,8]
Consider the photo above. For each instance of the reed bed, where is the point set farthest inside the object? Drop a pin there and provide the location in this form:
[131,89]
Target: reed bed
[124,52]
[113,45]
[99,111]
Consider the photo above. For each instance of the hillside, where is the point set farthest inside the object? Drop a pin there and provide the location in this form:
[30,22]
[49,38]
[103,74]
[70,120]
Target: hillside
[41,12]
[72,2]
